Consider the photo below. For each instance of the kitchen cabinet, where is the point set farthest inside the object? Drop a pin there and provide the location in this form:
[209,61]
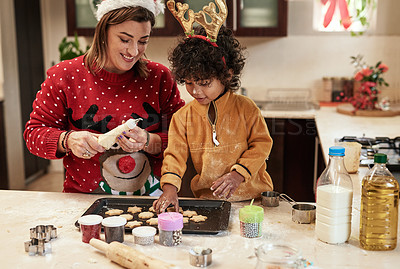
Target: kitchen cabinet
[82,21]
[245,17]
[3,152]
[296,159]
[257,18]
[252,17]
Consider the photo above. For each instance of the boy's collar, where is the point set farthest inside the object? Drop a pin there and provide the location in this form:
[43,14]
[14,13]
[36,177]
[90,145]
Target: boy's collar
[220,101]
[219,96]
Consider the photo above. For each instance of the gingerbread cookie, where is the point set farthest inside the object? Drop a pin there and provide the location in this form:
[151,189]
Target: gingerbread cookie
[172,209]
[198,218]
[127,216]
[152,221]
[146,215]
[185,220]
[133,224]
[189,213]
[114,212]
[151,209]
[134,209]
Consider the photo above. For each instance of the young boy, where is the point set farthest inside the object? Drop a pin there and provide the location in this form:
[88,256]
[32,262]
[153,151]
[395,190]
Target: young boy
[224,133]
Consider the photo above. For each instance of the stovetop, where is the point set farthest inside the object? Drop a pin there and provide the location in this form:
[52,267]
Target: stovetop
[370,146]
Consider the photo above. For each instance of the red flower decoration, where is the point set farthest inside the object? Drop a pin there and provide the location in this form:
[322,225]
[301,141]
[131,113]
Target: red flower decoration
[366,96]
[383,67]
[366,72]
[358,76]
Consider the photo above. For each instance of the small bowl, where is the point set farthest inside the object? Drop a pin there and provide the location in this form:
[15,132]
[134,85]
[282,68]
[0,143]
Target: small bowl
[303,213]
[144,235]
[270,198]
[200,257]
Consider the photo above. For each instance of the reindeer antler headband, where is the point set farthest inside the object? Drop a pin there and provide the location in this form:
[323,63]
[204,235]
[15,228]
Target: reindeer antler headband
[212,28]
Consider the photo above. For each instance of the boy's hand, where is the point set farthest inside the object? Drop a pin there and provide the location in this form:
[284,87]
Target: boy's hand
[169,196]
[226,185]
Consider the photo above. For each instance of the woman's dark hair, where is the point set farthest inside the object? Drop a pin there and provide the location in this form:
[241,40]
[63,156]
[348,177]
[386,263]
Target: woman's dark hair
[96,56]
[195,58]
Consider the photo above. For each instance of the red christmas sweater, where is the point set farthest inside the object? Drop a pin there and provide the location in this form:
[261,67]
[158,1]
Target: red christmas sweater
[72,98]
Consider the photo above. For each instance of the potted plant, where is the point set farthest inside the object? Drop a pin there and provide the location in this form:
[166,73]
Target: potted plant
[70,49]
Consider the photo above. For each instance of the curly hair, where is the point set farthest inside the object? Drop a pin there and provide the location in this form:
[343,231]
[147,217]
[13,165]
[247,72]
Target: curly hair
[195,58]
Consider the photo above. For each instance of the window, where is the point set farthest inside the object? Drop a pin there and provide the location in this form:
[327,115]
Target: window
[329,18]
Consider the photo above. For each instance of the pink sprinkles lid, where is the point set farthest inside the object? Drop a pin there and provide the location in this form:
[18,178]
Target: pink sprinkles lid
[170,221]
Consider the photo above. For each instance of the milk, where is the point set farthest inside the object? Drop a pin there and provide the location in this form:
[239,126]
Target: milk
[333,218]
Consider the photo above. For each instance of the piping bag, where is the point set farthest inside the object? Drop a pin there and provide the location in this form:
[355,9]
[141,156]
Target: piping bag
[129,257]
[108,139]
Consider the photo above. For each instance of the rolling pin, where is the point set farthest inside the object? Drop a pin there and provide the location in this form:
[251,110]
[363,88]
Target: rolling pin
[129,257]
[108,139]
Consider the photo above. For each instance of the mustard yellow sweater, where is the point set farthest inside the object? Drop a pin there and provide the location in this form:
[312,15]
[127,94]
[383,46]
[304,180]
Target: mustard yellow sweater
[244,145]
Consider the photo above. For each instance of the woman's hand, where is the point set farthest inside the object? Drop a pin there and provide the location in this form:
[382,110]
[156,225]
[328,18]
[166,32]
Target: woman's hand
[133,140]
[83,144]
[226,185]
[169,196]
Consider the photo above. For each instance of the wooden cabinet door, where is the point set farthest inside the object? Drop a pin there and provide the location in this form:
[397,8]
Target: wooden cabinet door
[299,159]
[257,18]
[81,19]
[292,159]
[275,162]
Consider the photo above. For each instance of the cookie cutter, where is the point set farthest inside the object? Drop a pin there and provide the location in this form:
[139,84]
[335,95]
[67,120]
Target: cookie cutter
[200,257]
[40,237]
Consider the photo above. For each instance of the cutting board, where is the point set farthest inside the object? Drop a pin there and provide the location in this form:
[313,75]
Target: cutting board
[348,109]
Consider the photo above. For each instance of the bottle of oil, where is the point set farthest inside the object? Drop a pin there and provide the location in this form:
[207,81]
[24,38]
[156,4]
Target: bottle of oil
[379,207]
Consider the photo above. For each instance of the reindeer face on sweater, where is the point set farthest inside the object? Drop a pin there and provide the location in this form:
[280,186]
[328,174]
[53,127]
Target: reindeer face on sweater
[123,171]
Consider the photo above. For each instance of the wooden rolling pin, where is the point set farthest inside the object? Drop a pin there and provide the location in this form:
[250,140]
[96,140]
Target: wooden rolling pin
[108,139]
[129,257]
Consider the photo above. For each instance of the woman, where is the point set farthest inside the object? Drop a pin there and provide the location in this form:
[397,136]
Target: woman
[94,93]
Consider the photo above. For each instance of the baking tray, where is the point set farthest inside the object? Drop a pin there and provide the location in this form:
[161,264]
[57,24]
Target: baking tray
[216,211]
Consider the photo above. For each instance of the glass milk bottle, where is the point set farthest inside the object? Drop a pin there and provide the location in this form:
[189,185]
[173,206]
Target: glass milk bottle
[379,207]
[334,200]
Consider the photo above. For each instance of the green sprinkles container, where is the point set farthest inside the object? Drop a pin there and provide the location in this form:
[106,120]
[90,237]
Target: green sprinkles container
[251,218]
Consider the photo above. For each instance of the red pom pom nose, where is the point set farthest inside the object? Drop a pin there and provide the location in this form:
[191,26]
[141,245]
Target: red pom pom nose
[126,164]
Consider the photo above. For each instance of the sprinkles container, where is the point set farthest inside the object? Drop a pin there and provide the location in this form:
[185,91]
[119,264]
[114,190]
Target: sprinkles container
[144,235]
[114,228]
[251,218]
[90,227]
[170,226]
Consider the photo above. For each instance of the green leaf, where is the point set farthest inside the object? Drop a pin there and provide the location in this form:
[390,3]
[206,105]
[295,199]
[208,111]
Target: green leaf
[363,4]
[363,21]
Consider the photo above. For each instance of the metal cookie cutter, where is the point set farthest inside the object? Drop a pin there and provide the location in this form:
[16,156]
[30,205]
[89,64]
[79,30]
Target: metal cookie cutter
[200,257]
[40,239]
